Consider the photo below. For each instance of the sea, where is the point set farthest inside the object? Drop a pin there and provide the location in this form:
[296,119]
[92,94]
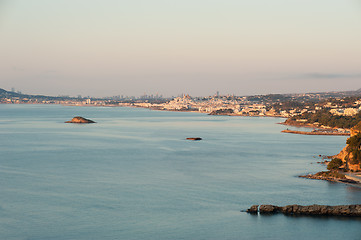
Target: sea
[133,175]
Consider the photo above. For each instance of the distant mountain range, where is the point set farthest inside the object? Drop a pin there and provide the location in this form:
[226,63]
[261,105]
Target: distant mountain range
[9,94]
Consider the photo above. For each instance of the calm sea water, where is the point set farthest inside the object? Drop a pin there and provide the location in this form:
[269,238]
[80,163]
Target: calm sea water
[132,175]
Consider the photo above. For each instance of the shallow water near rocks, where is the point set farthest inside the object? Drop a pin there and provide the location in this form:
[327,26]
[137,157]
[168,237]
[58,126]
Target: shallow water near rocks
[133,175]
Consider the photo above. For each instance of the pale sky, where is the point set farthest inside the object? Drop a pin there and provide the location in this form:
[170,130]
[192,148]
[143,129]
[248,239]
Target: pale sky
[117,47]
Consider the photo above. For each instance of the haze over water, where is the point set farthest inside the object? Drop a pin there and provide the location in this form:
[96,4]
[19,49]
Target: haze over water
[132,175]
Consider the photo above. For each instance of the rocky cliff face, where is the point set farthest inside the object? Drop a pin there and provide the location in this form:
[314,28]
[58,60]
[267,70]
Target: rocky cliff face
[347,156]
[356,129]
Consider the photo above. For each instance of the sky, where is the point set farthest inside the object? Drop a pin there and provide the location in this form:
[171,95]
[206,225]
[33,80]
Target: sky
[120,47]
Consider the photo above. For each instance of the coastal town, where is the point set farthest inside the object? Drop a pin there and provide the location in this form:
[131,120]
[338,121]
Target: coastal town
[273,105]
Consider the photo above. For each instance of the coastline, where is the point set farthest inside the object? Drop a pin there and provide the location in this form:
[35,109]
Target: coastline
[348,180]
[300,124]
[316,133]
[337,176]
[317,130]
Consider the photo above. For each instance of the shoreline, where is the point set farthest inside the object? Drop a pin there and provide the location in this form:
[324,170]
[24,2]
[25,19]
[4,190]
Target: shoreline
[316,133]
[299,124]
[347,181]
[317,130]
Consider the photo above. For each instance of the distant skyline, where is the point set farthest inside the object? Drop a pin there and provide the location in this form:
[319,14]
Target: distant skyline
[241,47]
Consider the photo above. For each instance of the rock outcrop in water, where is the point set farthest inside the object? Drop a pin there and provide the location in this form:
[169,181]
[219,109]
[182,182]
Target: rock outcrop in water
[80,120]
[194,138]
[311,210]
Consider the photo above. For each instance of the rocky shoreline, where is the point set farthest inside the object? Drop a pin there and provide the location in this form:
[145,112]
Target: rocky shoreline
[300,124]
[317,132]
[310,210]
[344,166]
[331,177]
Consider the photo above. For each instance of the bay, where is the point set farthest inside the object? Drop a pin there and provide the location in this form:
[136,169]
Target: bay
[132,175]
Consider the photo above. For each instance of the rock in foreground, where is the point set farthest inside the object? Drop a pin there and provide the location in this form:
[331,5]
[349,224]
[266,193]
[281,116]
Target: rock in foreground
[312,210]
[80,120]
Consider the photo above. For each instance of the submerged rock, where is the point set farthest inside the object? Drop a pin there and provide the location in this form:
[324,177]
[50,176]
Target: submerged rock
[80,120]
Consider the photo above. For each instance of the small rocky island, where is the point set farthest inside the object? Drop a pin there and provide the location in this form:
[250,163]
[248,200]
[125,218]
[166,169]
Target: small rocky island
[311,210]
[194,138]
[80,120]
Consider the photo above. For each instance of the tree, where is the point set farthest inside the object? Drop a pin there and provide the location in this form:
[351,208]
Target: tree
[335,164]
[354,148]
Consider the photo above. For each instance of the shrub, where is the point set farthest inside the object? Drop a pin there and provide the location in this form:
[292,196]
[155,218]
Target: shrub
[334,164]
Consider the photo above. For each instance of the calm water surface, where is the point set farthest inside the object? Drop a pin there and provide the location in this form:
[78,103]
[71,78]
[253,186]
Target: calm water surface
[132,175]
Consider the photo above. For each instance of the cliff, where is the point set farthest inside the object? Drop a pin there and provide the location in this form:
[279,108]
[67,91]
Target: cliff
[356,129]
[351,154]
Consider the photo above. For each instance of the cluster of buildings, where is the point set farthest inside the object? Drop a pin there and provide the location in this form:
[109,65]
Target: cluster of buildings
[226,105]
[345,111]
[230,105]
[260,105]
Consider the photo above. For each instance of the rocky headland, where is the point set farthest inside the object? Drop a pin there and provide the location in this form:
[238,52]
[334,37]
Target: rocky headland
[80,120]
[331,176]
[345,163]
[351,154]
[310,210]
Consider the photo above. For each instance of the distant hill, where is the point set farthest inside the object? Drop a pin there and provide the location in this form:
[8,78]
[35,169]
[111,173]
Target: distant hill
[9,94]
[4,93]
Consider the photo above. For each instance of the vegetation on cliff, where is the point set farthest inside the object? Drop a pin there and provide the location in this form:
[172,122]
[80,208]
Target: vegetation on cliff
[324,117]
[335,164]
[354,149]
[289,105]
[357,127]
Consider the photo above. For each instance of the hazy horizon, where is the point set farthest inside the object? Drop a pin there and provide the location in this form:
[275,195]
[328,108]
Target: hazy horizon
[108,48]
[176,95]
